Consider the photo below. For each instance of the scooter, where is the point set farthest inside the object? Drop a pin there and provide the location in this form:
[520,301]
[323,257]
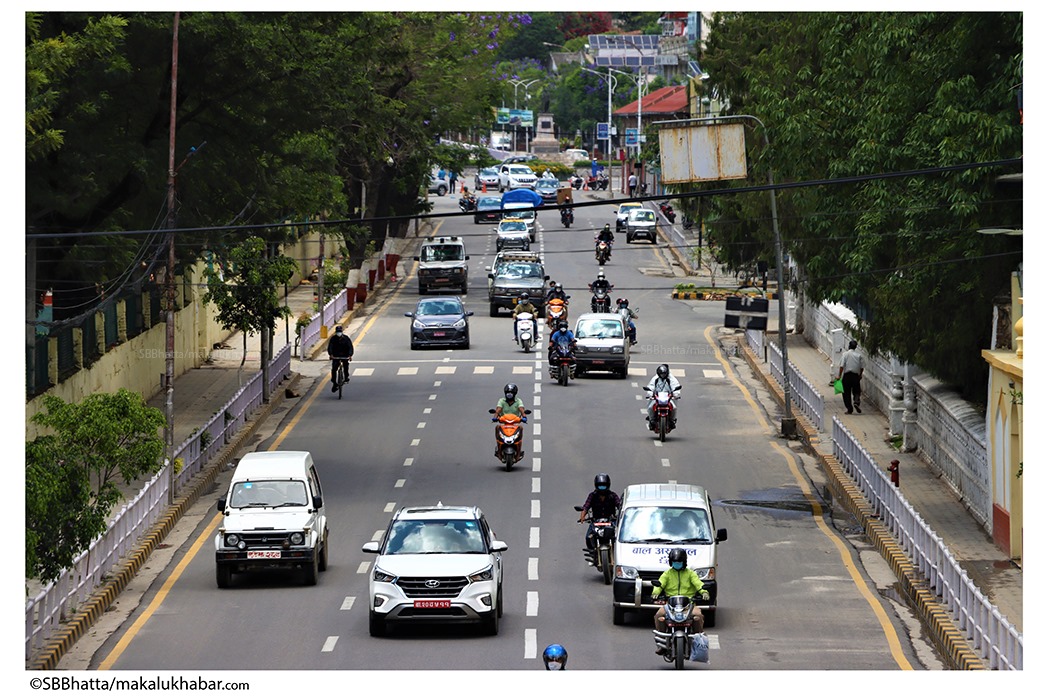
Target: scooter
[557,309]
[509,437]
[667,210]
[663,409]
[677,642]
[600,557]
[563,367]
[566,217]
[602,252]
[576,182]
[525,329]
[600,302]
[468,203]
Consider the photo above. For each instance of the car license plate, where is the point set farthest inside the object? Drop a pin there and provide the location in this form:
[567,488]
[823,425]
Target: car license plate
[439,334]
[433,604]
[266,554]
[598,362]
[441,279]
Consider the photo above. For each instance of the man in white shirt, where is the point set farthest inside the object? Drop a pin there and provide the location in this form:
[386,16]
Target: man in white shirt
[851,369]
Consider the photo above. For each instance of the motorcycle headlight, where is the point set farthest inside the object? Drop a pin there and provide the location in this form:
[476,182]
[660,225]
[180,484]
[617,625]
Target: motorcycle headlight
[461,323]
[483,575]
[625,572]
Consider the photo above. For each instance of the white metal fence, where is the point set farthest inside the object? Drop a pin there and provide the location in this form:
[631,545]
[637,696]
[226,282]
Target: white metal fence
[992,636]
[311,333]
[46,611]
[803,393]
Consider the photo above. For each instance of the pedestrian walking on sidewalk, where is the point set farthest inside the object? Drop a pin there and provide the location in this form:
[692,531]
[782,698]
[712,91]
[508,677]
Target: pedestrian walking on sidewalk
[632,183]
[851,370]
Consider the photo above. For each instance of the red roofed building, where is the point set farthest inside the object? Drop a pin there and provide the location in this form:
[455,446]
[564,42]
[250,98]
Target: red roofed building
[659,105]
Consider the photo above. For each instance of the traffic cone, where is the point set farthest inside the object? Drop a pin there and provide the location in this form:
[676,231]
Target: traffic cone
[484,187]
[462,187]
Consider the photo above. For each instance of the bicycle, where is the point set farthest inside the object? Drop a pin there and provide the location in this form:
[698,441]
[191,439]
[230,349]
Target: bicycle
[340,372]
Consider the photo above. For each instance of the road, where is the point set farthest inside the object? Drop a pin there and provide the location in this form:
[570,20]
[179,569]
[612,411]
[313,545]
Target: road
[797,588]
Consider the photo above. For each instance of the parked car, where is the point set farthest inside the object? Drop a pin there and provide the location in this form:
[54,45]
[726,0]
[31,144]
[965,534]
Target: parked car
[547,187]
[487,177]
[439,321]
[438,185]
[436,564]
[641,223]
[488,209]
[621,213]
[602,344]
[519,159]
[575,154]
[511,177]
[512,234]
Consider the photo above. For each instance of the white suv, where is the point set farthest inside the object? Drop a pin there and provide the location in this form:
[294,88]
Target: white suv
[514,176]
[436,564]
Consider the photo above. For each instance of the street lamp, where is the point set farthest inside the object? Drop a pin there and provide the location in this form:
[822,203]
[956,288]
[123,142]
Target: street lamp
[610,82]
[640,79]
[516,84]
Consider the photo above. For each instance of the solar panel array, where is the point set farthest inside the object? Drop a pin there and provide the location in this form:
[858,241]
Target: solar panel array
[624,51]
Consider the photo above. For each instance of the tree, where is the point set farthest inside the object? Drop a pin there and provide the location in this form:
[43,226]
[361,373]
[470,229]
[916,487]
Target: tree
[938,91]
[246,294]
[72,474]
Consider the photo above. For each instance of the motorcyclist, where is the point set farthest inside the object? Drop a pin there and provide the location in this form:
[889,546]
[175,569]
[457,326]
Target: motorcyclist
[622,307]
[510,404]
[561,334]
[663,380]
[551,291]
[558,293]
[468,202]
[340,349]
[599,285]
[566,212]
[606,235]
[555,655]
[524,307]
[678,580]
[602,502]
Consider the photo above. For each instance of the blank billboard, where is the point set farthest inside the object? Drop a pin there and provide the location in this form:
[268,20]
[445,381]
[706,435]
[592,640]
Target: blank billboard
[702,152]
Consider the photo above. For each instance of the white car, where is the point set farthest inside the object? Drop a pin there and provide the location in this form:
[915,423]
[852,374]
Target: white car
[621,214]
[513,176]
[436,564]
[641,223]
[512,234]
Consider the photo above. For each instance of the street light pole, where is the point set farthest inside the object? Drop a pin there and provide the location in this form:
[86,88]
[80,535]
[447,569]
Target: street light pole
[517,83]
[610,83]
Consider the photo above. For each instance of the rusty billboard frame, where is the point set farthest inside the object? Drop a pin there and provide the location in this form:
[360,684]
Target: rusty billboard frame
[701,150]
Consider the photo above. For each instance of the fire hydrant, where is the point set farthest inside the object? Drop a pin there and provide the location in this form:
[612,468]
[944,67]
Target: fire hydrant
[894,470]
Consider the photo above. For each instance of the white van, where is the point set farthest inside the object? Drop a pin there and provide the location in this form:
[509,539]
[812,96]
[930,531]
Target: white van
[524,211]
[273,518]
[654,519]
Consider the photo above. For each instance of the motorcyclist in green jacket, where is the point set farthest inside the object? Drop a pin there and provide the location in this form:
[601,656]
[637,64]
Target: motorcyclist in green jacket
[678,580]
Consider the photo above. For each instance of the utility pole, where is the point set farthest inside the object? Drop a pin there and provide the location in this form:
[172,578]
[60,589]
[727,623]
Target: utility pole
[169,315]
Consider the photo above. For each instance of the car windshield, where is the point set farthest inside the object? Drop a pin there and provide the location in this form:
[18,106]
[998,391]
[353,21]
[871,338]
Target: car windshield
[547,182]
[491,172]
[665,524]
[523,214]
[511,226]
[520,170]
[625,209]
[489,203]
[438,307]
[441,253]
[435,537]
[268,494]
[518,270]
[599,328]
[642,215]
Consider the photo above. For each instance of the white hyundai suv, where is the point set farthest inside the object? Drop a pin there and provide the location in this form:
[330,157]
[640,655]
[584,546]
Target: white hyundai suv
[436,564]
[514,176]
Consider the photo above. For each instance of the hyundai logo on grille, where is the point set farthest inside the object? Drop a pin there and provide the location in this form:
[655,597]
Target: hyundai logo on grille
[432,583]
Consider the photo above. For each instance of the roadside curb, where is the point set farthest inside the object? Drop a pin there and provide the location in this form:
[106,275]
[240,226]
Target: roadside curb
[949,641]
[48,657]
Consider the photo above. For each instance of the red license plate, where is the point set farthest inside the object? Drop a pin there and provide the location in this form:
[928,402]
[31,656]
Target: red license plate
[269,554]
[439,334]
[433,604]
[441,279]
[598,362]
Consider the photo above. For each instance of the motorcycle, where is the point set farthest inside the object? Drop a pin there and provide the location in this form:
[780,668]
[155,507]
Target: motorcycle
[557,309]
[563,366]
[677,642]
[663,409]
[668,211]
[525,329]
[509,437]
[602,252]
[576,182]
[600,302]
[566,217]
[597,183]
[468,203]
[600,557]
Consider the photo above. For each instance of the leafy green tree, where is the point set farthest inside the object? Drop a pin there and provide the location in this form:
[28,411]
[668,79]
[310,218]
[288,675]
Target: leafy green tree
[72,473]
[246,294]
[866,93]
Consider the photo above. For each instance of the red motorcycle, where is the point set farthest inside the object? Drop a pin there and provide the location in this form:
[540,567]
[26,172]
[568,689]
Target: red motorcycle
[663,409]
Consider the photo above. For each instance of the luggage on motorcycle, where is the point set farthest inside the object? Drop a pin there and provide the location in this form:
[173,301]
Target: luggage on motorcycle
[699,649]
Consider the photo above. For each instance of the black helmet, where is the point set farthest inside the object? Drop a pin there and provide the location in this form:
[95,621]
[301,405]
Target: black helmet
[558,288]
[602,480]
[623,302]
[555,653]
[605,228]
[662,371]
[510,391]
[338,329]
[677,555]
[563,325]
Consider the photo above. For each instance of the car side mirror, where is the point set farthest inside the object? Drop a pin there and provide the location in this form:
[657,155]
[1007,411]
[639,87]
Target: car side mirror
[498,546]
[370,547]
[466,257]
[470,313]
[492,276]
[408,313]
[318,503]
[416,258]
[221,505]
[721,535]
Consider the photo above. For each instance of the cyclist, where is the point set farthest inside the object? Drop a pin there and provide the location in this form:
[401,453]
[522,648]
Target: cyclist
[340,350]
